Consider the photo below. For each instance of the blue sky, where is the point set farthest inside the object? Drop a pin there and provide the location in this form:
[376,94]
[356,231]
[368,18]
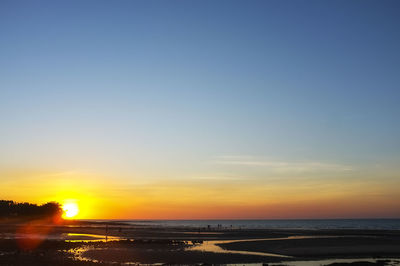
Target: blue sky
[160,89]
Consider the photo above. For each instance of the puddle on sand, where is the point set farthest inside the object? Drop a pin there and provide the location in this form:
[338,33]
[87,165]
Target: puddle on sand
[73,237]
[77,254]
[206,246]
[68,237]
[212,246]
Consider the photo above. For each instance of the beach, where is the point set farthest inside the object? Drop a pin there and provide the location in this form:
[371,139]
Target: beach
[118,243]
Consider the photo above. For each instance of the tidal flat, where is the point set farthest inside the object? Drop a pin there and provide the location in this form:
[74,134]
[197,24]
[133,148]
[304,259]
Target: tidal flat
[93,243]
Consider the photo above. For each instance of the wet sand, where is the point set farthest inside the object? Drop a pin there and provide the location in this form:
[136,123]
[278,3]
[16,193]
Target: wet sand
[84,244]
[341,246]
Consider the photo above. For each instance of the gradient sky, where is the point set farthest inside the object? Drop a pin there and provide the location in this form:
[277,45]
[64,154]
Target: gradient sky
[202,109]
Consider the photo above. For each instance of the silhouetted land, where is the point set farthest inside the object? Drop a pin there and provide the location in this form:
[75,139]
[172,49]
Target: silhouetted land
[11,210]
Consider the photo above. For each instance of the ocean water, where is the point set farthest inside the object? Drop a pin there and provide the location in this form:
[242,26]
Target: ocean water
[389,224]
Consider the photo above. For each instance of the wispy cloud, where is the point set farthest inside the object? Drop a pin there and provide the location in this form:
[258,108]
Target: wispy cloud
[280,165]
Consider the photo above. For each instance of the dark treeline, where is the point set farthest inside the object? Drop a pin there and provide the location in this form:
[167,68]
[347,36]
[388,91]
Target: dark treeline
[11,209]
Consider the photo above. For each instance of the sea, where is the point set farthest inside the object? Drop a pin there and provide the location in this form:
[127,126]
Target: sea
[370,224]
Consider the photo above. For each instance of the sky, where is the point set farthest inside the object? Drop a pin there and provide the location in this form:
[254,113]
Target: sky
[202,109]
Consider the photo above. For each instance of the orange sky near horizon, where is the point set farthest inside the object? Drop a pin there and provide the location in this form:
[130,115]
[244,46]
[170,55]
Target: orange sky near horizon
[98,197]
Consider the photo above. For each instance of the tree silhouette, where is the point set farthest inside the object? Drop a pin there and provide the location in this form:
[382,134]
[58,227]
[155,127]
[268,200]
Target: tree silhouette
[11,209]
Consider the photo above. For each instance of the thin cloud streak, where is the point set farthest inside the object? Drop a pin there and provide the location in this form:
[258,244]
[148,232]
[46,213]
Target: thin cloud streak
[282,166]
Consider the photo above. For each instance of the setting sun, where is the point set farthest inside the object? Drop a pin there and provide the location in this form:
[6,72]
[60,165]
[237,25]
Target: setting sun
[70,209]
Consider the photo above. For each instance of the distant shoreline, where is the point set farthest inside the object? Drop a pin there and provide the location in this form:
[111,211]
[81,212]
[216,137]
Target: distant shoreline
[366,224]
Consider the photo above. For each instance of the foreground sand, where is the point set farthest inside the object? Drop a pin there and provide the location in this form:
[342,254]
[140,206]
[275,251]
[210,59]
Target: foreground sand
[149,245]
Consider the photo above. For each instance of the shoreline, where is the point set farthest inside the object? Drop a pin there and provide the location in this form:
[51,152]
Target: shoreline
[86,244]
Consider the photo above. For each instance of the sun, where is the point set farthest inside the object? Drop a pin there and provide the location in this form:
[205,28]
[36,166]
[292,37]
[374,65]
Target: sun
[70,209]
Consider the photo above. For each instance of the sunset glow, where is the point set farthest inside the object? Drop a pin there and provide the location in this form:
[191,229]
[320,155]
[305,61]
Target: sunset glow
[201,109]
[70,209]
[196,132]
